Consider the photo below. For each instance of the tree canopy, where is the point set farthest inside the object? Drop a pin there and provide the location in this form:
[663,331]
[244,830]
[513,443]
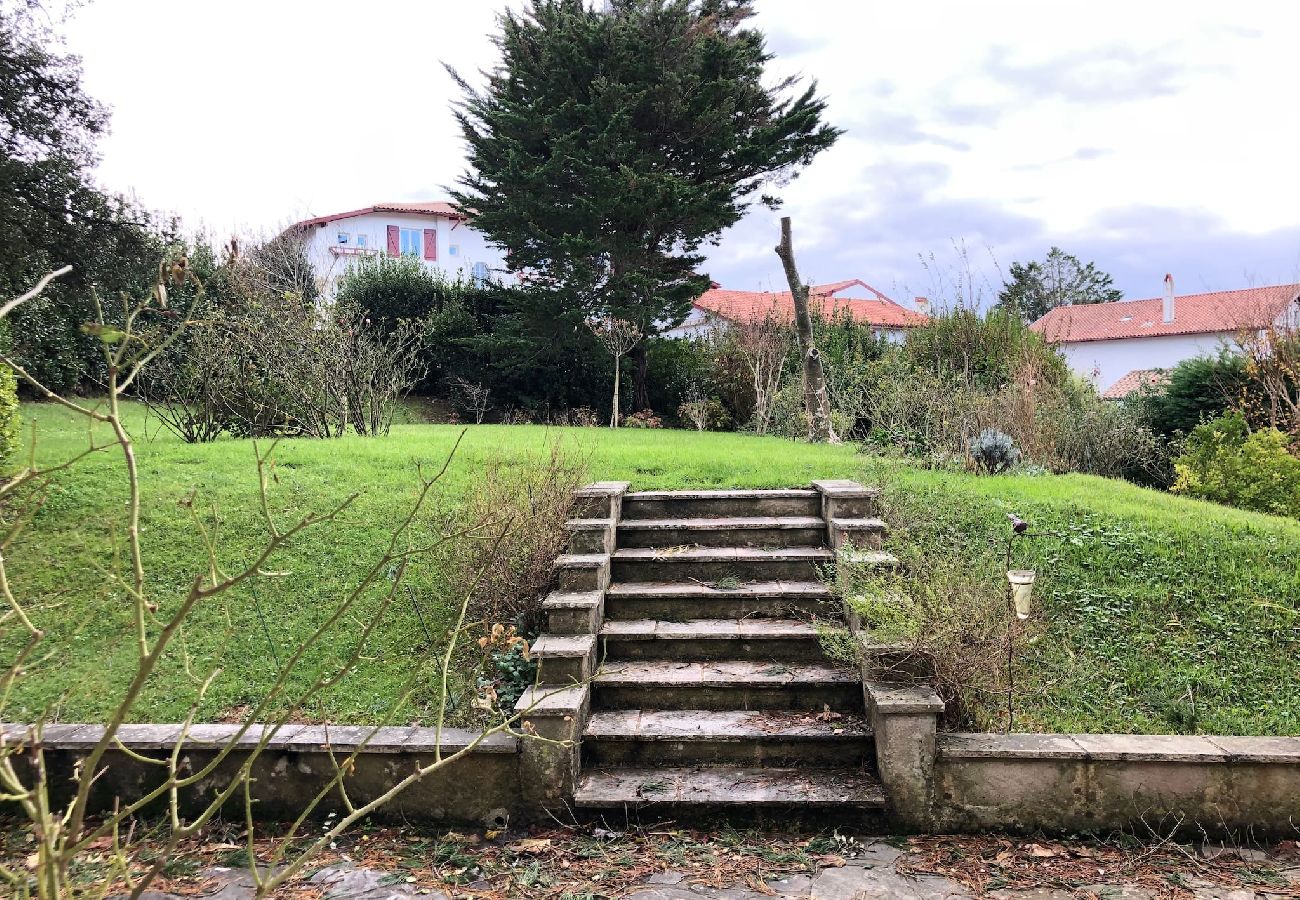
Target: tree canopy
[51,211]
[1036,288]
[609,145]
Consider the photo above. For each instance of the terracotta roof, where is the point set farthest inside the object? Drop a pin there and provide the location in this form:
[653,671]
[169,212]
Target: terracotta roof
[740,306]
[1221,311]
[1134,381]
[436,208]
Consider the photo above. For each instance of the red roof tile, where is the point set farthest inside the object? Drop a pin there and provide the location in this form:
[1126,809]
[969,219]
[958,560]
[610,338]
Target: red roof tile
[1134,381]
[436,208]
[740,306]
[1221,311]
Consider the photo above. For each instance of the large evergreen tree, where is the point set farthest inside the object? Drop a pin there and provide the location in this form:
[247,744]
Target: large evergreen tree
[609,145]
[1036,288]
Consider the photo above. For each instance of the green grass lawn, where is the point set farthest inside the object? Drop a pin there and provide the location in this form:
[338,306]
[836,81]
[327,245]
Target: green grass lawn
[1107,654]
[1153,614]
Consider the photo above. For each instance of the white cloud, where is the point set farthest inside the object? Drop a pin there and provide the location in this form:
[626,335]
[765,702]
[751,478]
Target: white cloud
[1012,123]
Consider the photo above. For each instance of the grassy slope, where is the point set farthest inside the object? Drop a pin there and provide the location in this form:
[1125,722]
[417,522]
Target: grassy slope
[1154,613]
[60,559]
[1110,634]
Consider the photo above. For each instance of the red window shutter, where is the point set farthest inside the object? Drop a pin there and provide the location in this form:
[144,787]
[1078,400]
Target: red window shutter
[394,245]
[430,243]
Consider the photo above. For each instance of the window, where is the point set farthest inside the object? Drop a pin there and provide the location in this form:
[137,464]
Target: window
[453,249]
[343,237]
[480,272]
[362,241]
[411,241]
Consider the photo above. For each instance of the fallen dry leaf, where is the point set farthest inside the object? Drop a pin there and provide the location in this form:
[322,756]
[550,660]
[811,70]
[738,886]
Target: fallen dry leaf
[531,845]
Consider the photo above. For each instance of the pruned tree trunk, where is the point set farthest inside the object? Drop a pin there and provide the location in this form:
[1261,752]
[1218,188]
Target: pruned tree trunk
[613,417]
[816,401]
[641,380]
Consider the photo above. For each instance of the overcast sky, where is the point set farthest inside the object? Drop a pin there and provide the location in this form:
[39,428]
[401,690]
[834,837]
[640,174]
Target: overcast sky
[1148,136]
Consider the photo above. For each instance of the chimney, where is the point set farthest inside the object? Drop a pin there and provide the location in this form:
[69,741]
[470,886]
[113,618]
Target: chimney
[922,305]
[1169,298]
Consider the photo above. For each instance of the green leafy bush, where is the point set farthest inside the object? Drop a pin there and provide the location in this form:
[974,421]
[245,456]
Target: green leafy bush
[989,350]
[1225,462]
[1197,390]
[392,288]
[9,418]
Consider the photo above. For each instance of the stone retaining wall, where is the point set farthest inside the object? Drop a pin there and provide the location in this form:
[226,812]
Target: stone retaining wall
[1236,787]
[1225,786]
[1102,781]
[481,789]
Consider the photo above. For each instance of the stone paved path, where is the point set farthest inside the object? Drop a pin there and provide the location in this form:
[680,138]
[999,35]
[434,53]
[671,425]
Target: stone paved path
[870,873]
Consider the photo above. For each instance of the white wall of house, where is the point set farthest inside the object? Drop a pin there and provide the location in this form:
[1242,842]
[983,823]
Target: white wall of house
[1106,362]
[461,250]
[697,324]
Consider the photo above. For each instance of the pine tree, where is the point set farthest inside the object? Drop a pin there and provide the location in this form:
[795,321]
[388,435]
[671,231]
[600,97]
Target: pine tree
[609,146]
[1036,288]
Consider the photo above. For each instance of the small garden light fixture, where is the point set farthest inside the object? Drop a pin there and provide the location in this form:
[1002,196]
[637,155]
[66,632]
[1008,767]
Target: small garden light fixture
[1021,580]
[1022,589]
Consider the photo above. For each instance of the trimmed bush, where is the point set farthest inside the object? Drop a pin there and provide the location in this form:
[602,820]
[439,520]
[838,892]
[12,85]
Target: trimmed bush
[1223,461]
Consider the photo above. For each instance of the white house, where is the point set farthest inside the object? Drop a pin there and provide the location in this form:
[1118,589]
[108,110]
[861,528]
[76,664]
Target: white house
[863,303]
[1119,345]
[437,234]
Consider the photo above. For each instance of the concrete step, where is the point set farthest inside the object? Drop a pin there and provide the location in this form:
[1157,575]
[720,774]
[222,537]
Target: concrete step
[570,612]
[724,531]
[564,658]
[588,536]
[859,533]
[582,572]
[710,504]
[693,736]
[720,565]
[744,684]
[704,788]
[704,639]
[679,601]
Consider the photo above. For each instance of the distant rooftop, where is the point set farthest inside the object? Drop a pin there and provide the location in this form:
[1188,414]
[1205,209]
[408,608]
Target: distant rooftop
[741,306]
[1220,311]
[436,208]
[1135,381]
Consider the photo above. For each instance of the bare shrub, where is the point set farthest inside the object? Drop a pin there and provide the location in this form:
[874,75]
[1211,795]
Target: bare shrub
[258,364]
[763,344]
[471,397]
[376,368]
[1273,370]
[537,494]
[186,389]
[947,616]
[705,413]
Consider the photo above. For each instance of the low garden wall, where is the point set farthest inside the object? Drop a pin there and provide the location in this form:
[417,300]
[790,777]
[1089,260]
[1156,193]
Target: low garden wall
[1234,787]
[481,788]
[1241,785]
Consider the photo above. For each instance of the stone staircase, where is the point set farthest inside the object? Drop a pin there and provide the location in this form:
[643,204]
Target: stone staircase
[689,621]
